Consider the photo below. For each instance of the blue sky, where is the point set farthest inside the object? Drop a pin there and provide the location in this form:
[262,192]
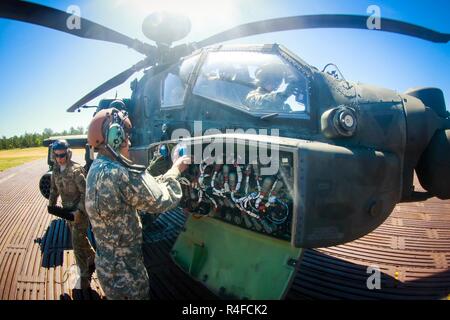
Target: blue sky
[43,72]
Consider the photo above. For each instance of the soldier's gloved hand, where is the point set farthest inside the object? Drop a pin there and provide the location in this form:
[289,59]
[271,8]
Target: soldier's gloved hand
[291,89]
[158,165]
[182,163]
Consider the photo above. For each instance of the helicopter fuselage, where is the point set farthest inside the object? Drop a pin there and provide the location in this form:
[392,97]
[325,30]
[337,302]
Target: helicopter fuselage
[351,144]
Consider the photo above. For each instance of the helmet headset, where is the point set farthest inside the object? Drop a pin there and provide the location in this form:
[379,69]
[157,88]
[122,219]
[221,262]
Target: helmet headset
[115,133]
[109,129]
[61,144]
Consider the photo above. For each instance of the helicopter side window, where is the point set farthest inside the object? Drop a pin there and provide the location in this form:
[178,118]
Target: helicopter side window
[254,81]
[174,86]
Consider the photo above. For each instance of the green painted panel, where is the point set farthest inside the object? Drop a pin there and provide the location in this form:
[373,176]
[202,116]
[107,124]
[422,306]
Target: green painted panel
[234,262]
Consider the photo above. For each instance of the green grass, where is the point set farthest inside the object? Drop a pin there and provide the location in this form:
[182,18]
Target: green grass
[10,163]
[16,157]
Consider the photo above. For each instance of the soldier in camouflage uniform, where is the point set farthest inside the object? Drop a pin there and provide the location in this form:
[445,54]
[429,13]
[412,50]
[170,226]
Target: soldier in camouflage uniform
[114,193]
[68,181]
[267,97]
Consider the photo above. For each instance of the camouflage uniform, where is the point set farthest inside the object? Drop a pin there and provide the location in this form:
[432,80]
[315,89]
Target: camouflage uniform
[113,194]
[260,99]
[71,185]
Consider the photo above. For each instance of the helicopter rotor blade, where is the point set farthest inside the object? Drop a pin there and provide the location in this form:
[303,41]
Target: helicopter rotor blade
[111,83]
[59,20]
[117,80]
[323,21]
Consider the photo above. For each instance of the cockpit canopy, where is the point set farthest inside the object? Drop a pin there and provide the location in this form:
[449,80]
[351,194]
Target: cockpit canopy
[233,77]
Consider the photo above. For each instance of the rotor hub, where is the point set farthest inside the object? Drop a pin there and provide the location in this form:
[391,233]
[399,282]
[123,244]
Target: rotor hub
[164,27]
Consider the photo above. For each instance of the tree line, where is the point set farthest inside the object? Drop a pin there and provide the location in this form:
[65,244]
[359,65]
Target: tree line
[29,140]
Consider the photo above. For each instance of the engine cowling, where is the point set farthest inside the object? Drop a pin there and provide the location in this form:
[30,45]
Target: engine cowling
[428,142]
[433,168]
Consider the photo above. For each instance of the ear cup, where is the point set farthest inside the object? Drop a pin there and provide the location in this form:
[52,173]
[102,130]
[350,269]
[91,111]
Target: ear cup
[116,136]
[69,154]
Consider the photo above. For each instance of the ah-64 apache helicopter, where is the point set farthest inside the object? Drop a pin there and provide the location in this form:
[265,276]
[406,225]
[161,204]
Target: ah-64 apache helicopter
[346,152]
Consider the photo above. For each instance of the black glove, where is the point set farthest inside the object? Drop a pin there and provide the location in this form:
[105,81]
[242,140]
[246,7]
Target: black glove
[159,165]
[291,89]
[61,212]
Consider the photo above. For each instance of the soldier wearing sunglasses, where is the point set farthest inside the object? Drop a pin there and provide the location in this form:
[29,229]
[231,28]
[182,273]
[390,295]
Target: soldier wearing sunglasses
[69,181]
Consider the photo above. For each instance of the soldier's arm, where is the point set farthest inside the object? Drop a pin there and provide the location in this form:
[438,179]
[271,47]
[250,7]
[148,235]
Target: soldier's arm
[80,181]
[275,98]
[53,198]
[144,192]
[266,100]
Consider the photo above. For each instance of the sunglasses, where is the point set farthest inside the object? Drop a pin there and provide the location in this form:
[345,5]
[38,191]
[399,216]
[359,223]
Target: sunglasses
[60,155]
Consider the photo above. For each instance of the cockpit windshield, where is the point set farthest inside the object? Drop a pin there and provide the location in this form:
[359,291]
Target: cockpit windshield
[254,81]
